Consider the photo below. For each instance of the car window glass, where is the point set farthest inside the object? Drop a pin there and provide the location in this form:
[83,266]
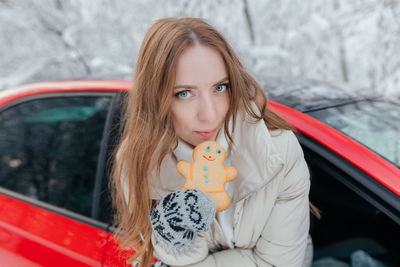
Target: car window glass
[375,124]
[49,149]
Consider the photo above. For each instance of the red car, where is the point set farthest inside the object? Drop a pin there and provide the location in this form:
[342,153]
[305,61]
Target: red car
[56,137]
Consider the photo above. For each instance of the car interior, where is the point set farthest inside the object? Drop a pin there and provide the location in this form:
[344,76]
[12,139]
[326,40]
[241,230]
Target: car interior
[348,221]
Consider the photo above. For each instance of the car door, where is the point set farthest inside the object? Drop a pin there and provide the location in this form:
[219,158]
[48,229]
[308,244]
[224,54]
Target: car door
[49,148]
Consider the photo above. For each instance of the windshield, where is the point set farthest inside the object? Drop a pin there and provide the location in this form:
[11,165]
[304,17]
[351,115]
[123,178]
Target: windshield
[375,124]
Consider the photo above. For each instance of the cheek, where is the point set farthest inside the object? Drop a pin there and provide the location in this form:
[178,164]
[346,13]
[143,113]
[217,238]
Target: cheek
[224,106]
[181,120]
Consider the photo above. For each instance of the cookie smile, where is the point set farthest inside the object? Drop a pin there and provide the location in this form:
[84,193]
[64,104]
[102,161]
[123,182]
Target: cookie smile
[207,158]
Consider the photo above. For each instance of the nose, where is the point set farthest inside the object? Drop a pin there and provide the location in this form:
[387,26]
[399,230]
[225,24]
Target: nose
[207,109]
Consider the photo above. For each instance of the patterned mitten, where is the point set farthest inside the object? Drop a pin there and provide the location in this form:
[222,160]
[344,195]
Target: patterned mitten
[179,216]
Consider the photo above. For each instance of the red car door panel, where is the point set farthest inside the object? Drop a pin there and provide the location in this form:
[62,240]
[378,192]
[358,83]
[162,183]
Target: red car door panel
[32,236]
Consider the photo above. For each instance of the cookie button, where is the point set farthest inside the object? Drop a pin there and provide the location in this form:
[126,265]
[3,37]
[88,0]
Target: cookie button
[205,168]
[205,175]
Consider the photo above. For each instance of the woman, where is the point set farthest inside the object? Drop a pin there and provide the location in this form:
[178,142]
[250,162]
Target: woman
[190,87]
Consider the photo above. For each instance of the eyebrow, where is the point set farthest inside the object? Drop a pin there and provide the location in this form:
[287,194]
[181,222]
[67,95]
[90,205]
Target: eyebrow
[193,87]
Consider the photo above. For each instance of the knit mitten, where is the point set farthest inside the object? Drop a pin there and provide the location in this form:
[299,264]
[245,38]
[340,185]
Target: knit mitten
[179,216]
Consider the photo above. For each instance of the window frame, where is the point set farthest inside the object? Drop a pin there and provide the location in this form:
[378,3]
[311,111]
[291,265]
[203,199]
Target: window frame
[92,220]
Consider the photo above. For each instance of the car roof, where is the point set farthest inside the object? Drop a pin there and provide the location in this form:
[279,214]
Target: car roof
[11,94]
[307,95]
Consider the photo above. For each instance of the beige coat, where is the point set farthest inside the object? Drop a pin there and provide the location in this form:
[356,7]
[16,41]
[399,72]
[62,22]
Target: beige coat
[270,203]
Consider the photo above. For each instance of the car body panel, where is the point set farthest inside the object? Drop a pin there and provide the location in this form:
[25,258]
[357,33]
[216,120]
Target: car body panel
[51,237]
[11,95]
[46,238]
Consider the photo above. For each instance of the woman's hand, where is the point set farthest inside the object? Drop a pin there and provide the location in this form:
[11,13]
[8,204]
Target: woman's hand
[179,216]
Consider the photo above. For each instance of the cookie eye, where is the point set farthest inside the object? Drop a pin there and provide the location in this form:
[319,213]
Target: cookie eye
[219,151]
[208,149]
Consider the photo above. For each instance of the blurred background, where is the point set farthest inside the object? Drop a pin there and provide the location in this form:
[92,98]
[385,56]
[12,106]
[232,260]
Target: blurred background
[352,42]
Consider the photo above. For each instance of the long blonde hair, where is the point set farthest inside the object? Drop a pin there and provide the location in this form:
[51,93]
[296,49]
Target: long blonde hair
[147,133]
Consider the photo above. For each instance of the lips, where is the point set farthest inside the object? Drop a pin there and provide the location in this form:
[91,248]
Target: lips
[206,134]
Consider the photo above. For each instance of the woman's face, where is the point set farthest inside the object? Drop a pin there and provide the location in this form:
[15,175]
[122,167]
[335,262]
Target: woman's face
[201,98]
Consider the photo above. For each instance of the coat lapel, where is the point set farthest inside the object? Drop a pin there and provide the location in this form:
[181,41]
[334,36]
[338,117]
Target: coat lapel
[254,155]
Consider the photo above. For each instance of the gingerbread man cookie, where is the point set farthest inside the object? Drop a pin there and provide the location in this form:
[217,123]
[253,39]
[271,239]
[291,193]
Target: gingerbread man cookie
[207,172]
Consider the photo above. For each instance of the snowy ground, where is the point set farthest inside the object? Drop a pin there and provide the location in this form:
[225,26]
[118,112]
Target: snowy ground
[354,42]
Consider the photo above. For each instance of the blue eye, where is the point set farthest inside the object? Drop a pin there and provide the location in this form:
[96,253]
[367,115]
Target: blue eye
[208,149]
[183,94]
[221,88]
[219,151]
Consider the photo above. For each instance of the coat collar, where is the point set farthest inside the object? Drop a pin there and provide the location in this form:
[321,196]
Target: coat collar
[253,154]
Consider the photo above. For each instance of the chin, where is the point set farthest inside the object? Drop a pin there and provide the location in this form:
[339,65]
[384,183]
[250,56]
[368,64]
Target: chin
[198,140]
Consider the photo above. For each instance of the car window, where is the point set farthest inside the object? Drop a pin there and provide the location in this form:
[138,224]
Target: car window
[375,124]
[49,149]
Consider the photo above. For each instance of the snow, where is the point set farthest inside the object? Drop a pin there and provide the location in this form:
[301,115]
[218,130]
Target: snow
[352,42]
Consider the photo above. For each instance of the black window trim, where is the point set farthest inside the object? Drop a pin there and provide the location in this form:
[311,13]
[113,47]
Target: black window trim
[62,211]
[100,184]
[363,185]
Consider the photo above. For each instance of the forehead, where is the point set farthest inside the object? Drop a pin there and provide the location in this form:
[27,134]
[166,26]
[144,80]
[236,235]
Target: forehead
[200,65]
